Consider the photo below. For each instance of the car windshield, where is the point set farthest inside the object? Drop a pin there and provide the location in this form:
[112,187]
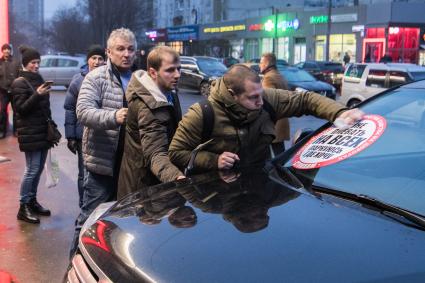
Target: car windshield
[211,66]
[417,75]
[296,75]
[392,168]
[336,67]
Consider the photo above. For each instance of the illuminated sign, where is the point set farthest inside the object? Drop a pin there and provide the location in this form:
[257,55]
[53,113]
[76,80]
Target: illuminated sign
[286,25]
[319,19]
[224,29]
[4,22]
[157,35]
[269,25]
[183,33]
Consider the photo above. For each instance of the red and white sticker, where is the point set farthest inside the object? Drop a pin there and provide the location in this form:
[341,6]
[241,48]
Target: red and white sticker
[334,145]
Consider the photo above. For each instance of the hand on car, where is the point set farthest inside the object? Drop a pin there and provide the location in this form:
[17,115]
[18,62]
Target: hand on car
[227,160]
[72,145]
[348,118]
[121,115]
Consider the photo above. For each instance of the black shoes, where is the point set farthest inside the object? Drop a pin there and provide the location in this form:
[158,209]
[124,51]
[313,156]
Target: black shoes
[25,214]
[38,209]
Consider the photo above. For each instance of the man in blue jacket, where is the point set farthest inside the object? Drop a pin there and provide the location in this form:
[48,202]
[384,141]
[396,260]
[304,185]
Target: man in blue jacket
[73,128]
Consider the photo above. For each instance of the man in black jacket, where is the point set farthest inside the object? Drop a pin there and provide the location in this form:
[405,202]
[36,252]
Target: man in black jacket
[8,72]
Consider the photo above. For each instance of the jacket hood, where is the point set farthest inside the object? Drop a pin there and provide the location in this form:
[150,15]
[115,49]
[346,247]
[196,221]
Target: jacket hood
[236,112]
[142,85]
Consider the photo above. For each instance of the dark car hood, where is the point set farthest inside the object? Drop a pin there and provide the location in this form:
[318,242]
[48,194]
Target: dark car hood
[254,229]
[316,86]
[215,73]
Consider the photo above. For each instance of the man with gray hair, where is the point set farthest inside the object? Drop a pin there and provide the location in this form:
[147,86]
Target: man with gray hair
[102,110]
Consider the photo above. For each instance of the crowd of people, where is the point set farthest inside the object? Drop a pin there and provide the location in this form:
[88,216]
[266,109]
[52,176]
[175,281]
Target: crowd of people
[127,128]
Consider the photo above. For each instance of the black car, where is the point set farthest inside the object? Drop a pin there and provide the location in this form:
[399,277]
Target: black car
[301,80]
[279,62]
[198,72]
[330,72]
[339,206]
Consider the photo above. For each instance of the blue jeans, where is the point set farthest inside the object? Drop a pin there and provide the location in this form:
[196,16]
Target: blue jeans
[80,175]
[97,189]
[35,161]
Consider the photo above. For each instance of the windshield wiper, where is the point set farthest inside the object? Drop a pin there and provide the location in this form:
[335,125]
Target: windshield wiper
[417,219]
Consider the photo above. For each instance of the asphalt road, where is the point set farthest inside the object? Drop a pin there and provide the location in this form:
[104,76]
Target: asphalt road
[39,253]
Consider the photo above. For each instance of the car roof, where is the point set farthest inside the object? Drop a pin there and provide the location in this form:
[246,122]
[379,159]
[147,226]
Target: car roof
[394,66]
[195,58]
[79,58]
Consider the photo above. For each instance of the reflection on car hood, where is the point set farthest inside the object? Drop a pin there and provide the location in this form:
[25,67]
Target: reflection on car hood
[215,73]
[253,229]
[312,86]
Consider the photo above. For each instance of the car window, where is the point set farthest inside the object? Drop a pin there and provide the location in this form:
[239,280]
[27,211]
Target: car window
[46,62]
[355,71]
[67,63]
[310,66]
[210,66]
[376,78]
[416,76]
[397,78]
[391,169]
[296,75]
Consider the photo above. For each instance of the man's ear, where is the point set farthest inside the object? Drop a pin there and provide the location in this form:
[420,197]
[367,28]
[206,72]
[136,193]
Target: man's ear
[152,73]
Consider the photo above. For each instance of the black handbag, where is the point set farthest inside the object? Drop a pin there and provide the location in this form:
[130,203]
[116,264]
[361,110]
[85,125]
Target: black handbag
[53,134]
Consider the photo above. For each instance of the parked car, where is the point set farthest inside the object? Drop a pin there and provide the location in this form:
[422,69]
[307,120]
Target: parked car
[301,80]
[330,72]
[279,62]
[60,69]
[198,72]
[230,61]
[302,218]
[364,80]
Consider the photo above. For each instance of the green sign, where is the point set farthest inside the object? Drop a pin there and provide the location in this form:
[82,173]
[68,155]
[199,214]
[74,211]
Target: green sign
[323,19]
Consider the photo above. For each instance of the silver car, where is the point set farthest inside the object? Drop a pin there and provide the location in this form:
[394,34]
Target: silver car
[60,69]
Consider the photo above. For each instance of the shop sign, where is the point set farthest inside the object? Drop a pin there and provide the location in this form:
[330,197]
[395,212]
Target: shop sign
[344,18]
[221,29]
[357,28]
[335,145]
[183,33]
[268,26]
[322,19]
[286,25]
[157,35]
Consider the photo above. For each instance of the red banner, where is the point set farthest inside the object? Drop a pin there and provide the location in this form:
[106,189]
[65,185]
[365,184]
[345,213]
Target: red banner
[4,22]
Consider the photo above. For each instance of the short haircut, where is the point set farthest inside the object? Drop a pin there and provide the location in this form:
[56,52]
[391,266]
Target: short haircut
[122,33]
[156,55]
[270,57]
[236,76]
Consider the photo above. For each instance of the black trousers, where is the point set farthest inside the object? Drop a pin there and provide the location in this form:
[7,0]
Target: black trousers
[5,99]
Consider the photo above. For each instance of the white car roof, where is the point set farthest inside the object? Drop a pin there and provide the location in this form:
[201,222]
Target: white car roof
[394,66]
[81,59]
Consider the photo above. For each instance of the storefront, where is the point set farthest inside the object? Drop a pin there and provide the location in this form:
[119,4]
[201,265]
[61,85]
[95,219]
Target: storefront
[224,39]
[183,39]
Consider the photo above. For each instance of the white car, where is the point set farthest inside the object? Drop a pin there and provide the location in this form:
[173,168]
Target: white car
[364,80]
[60,69]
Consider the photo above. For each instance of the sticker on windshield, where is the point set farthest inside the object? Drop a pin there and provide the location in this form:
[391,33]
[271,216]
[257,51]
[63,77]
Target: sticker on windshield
[334,145]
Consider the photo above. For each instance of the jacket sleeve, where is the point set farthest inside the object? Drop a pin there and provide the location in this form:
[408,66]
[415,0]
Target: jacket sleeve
[187,137]
[70,108]
[89,106]
[25,99]
[154,143]
[290,103]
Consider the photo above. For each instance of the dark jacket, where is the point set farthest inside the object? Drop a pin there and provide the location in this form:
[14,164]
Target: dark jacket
[237,129]
[151,123]
[32,111]
[273,79]
[73,128]
[9,70]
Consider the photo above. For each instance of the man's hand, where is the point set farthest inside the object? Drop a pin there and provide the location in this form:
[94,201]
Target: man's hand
[348,118]
[72,145]
[226,160]
[180,178]
[229,176]
[121,115]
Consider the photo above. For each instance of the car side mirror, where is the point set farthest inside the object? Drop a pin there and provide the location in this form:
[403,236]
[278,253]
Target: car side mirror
[300,134]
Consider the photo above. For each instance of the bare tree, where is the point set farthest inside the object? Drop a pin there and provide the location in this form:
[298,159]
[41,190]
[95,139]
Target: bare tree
[68,29]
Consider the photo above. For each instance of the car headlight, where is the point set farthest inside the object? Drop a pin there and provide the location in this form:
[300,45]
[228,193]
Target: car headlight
[94,216]
[300,89]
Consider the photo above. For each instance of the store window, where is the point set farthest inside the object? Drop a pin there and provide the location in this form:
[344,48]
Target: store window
[403,44]
[340,44]
[320,48]
[266,45]
[299,50]
[251,49]
[176,45]
[283,48]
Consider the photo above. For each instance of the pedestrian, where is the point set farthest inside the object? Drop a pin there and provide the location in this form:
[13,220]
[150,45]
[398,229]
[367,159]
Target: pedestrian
[31,103]
[152,118]
[9,70]
[102,110]
[73,128]
[243,126]
[273,79]
[346,59]
[386,58]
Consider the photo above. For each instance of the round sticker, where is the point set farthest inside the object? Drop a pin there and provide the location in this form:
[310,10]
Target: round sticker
[334,145]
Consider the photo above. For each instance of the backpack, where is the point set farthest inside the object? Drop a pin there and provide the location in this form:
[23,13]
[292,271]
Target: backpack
[208,117]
